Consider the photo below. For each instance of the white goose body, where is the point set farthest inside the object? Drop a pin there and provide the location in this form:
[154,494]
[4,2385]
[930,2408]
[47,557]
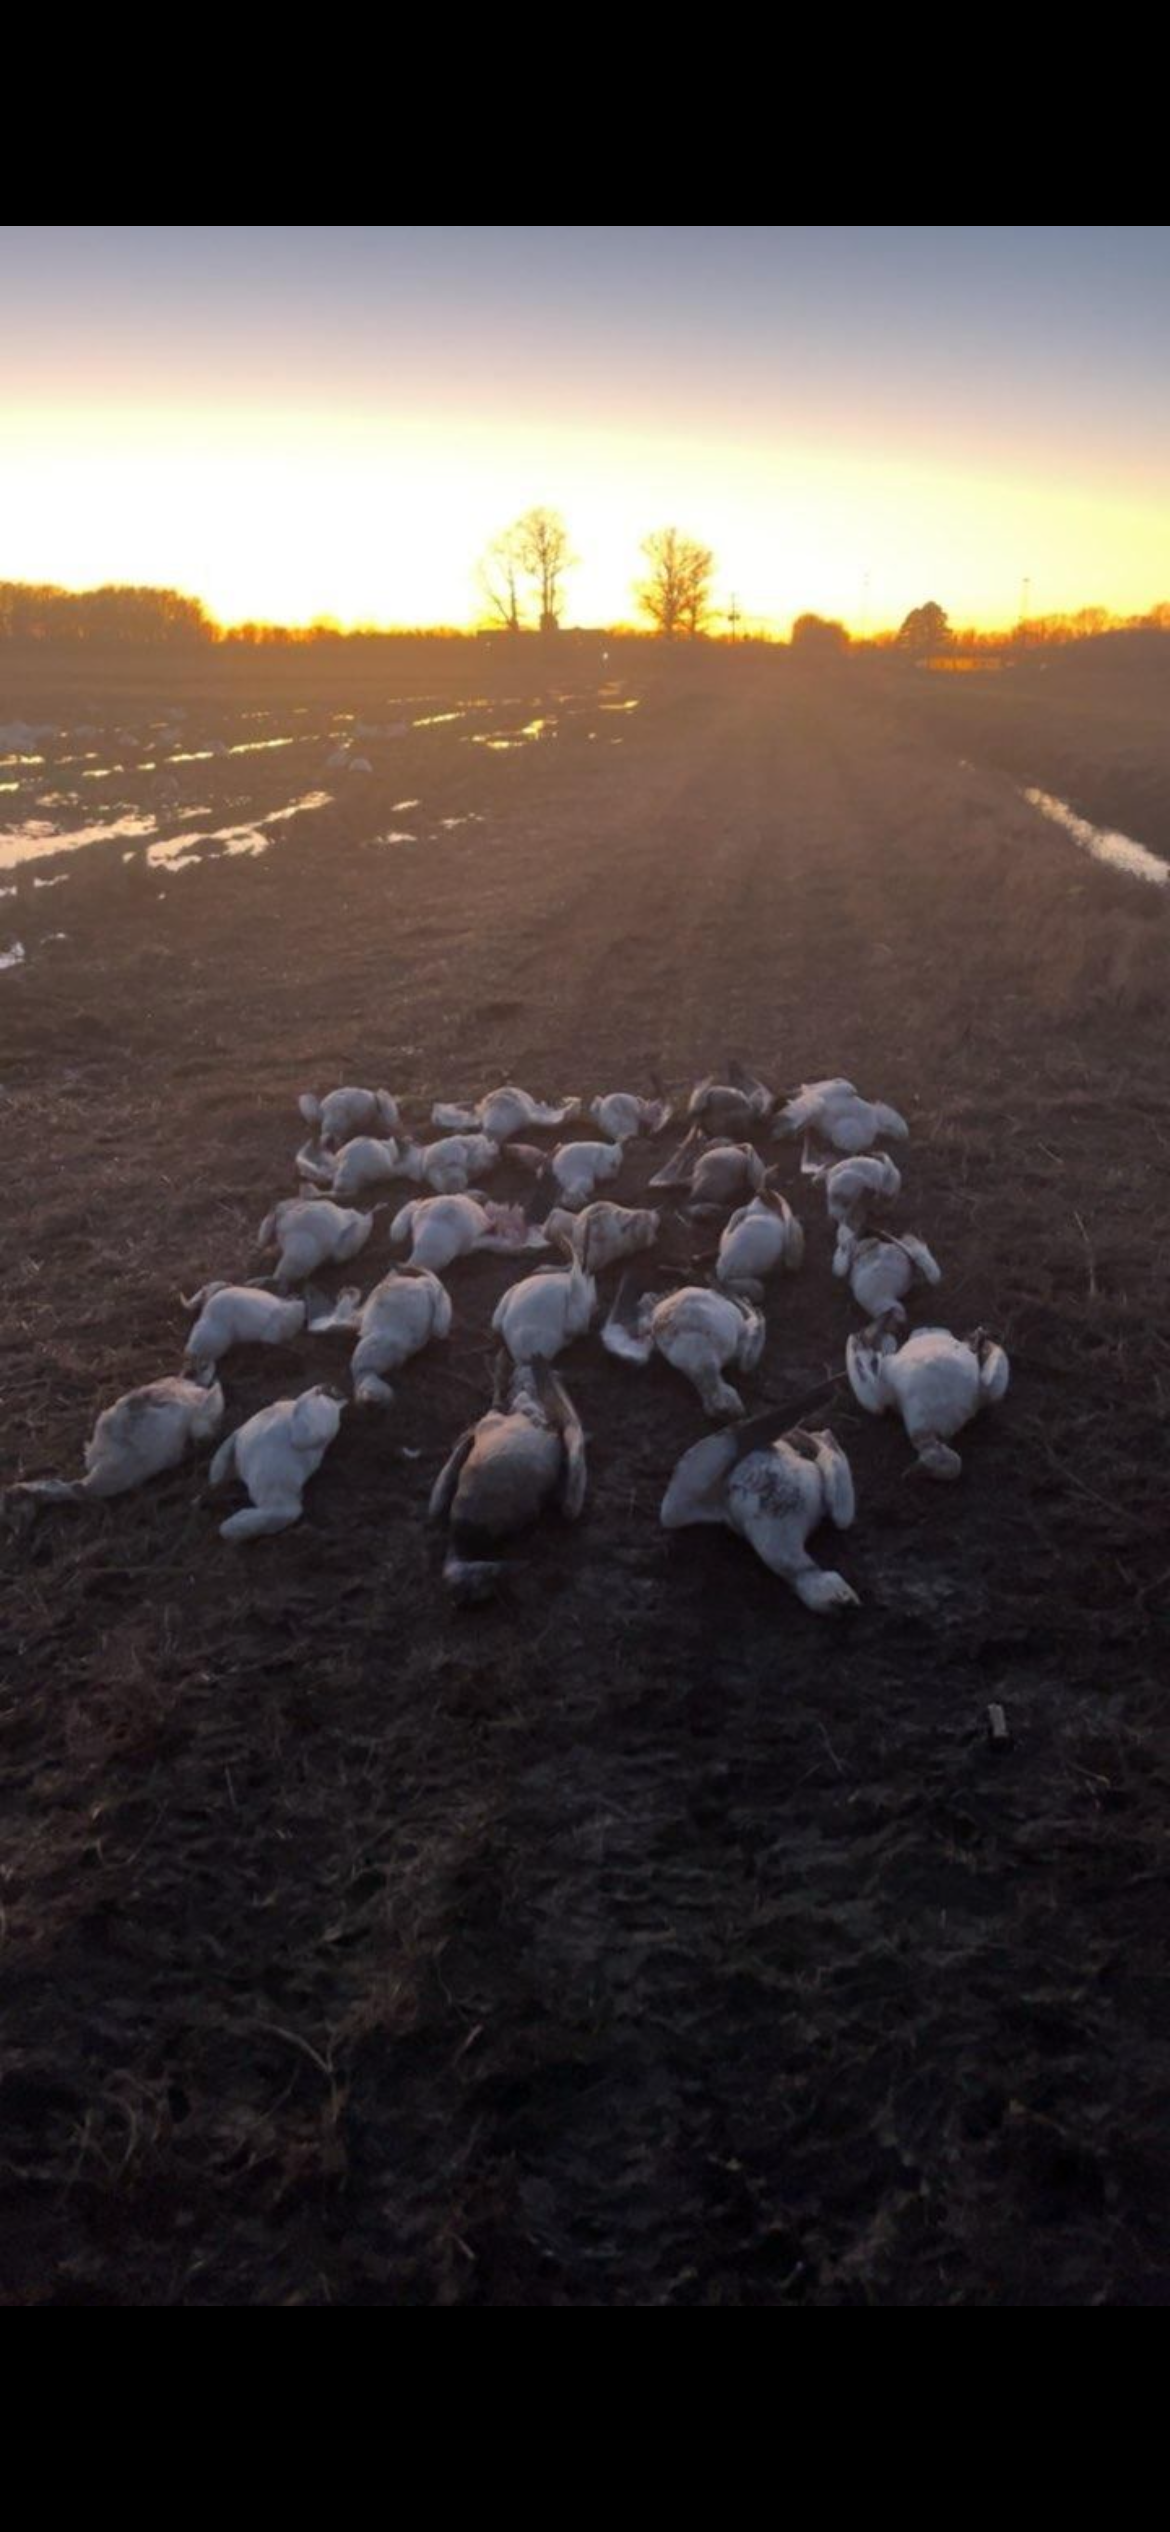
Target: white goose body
[580,1168]
[760,1239]
[450,1166]
[237,1314]
[883,1271]
[543,1314]
[853,1190]
[605,1232]
[143,1433]
[274,1455]
[310,1231]
[840,1116]
[505,1469]
[505,1112]
[342,1113]
[365,1162]
[622,1115]
[774,1494]
[936,1382]
[442,1228]
[396,1320]
[699,1332]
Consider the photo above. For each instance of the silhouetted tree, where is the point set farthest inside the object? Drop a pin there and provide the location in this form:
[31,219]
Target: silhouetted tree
[820,636]
[499,578]
[677,593]
[925,629]
[542,543]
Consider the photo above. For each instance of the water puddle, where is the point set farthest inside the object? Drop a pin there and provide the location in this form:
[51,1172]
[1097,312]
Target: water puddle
[399,805]
[501,739]
[1119,851]
[13,956]
[37,837]
[397,835]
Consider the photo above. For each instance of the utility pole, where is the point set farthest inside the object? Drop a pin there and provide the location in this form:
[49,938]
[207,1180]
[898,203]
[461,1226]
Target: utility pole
[733,615]
[1025,602]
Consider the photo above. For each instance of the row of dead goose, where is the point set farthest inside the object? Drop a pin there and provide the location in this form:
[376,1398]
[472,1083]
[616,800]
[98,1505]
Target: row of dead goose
[770,1480]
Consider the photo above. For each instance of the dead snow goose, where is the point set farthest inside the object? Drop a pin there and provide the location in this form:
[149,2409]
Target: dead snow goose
[718,1175]
[543,1313]
[504,1112]
[342,1113]
[935,1381]
[884,1270]
[505,1469]
[236,1314]
[760,1238]
[836,1112]
[274,1455]
[442,1228]
[142,1434]
[697,1331]
[396,1320]
[577,1169]
[622,1114]
[450,1166]
[364,1162]
[773,1492]
[310,1232]
[731,1106]
[854,1189]
[607,1231]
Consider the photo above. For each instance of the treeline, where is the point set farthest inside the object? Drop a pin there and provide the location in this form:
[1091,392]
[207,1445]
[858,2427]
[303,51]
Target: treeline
[675,596]
[31,612]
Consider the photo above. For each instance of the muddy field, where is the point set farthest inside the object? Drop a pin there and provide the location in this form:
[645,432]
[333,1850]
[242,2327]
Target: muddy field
[645,1938]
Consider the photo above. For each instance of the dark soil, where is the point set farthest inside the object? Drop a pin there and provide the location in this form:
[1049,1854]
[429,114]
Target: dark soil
[642,1939]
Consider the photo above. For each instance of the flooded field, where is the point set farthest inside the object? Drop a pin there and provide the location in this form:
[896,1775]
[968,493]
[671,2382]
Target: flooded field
[643,1937]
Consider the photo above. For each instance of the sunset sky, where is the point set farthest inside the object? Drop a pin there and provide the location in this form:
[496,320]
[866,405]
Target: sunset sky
[291,422]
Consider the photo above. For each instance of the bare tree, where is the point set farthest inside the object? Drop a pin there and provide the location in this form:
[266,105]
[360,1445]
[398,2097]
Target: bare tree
[542,543]
[677,593]
[499,578]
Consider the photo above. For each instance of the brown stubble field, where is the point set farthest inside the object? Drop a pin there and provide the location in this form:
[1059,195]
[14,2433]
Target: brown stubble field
[644,1938]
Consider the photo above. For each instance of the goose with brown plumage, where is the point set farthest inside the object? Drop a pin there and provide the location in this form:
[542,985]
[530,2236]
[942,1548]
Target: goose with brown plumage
[528,1451]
